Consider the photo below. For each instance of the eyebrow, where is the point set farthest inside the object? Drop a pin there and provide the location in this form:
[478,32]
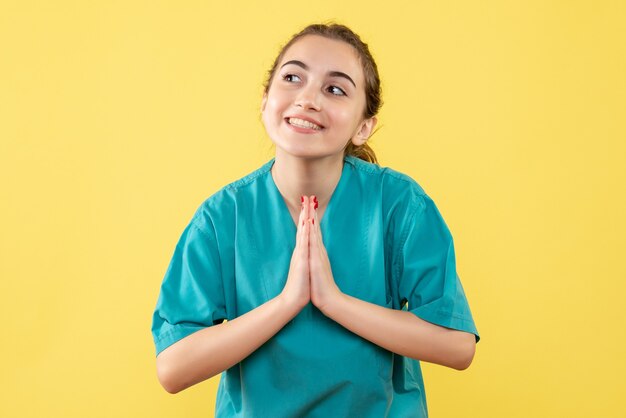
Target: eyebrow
[330,73]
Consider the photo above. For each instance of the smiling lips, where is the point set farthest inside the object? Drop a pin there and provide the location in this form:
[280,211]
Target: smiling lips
[301,123]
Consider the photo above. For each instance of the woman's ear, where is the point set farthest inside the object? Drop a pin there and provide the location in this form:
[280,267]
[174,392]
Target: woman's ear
[364,131]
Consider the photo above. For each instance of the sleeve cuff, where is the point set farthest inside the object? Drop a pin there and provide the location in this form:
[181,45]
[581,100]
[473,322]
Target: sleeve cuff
[446,319]
[173,334]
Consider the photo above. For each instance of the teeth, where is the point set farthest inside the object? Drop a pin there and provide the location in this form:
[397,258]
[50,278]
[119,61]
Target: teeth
[303,123]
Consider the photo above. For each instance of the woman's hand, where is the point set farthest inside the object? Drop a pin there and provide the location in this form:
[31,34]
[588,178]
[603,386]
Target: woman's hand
[310,276]
[324,290]
[297,289]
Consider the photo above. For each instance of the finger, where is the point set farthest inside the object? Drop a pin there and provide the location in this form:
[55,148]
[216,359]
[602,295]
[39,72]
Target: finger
[305,213]
[305,240]
[313,251]
[306,228]
[300,219]
[313,215]
[314,221]
[312,207]
[317,233]
[306,208]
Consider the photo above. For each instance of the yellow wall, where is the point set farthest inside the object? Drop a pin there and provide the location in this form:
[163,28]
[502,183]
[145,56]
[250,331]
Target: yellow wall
[117,119]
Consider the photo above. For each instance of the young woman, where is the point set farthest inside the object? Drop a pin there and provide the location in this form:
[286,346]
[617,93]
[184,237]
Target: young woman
[336,276]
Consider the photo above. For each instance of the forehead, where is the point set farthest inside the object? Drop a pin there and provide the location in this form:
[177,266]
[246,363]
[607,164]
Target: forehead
[322,54]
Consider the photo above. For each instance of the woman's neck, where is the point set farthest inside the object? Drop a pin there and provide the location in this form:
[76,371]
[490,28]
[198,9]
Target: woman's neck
[295,176]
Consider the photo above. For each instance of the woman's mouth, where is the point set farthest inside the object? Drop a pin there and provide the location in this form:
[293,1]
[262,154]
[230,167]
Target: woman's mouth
[303,124]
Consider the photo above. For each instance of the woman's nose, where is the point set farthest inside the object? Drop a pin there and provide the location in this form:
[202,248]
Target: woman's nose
[308,98]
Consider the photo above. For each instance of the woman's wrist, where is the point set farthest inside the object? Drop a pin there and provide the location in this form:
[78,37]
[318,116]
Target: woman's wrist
[293,304]
[331,304]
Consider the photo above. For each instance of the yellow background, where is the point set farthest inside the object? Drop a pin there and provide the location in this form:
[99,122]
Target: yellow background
[118,118]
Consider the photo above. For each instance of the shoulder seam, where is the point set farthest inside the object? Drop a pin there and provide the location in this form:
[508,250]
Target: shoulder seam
[363,166]
[194,222]
[246,180]
[237,184]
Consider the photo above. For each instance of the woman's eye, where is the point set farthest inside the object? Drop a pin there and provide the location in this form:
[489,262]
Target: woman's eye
[290,77]
[336,91]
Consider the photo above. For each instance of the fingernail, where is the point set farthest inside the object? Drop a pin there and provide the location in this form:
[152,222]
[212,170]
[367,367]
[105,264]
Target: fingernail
[316,205]
[302,199]
[313,221]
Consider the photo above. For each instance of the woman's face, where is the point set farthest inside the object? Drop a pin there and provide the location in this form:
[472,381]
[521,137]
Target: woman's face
[316,99]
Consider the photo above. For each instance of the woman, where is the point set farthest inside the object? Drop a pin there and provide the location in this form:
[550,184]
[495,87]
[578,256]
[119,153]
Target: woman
[335,276]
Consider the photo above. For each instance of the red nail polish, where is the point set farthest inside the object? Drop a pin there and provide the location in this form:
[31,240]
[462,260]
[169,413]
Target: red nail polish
[316,205]
[313,220]
[302,199]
